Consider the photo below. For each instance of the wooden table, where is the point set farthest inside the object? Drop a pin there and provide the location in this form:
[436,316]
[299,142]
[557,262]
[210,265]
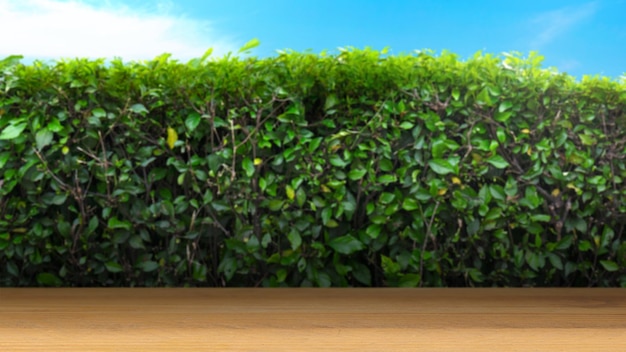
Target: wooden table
[312,319]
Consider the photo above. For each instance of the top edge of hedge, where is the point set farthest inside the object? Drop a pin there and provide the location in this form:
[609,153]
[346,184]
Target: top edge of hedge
[514,61]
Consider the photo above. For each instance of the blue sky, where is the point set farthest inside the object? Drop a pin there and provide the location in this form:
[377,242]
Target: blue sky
[577,37]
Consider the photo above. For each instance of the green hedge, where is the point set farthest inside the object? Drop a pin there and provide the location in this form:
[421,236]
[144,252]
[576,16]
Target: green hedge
[354,169]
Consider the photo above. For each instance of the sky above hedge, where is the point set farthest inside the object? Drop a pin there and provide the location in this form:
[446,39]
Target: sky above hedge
[577,37]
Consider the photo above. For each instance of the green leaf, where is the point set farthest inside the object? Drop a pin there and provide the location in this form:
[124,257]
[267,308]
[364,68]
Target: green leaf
[503,116]
[386,179]
[504,106]
[300,196]
[409,280]
[540,218]
[228,266]
[336,160]
[248,166]
[295,239]
[555,261]
[99,112]
[148,266]
[378,219]
[497,192]
[510,188]
[389,266]
[406,125]
[456,93]
[498,162]
[373,231]
[47,279]
[410,204]
[565,243]
[43,138]
[609,265]
[386,197]
[4,157]
[493,214]
[441,166]
[206,55]
[59,199]
[587,139]
[250,45]
[276,204]
[136,242]
[64,228]
[55,126]
[357,174]
[439,147]
[385,165]
[331,101]
[584,246]
[501,134]
[326,215]
[362,274]
[483,98]
[314,144]
[535,260]
[115,223]
[199,271]
[214,162]
[12,269]
[12,131]
[401,107]
[113,267]
[192,121]
[346,244]
[476,275]
[281,275]
[139,109]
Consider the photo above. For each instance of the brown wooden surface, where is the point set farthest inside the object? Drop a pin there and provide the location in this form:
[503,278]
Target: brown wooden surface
[313,319]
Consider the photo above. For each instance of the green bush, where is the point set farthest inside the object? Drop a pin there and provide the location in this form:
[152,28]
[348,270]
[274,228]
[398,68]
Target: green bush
[354,169]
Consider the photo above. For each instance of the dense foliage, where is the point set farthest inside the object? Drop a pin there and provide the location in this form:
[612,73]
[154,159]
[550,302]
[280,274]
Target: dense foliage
[354,169]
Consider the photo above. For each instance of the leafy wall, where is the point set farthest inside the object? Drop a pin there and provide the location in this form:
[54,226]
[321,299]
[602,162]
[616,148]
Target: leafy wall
[355,169]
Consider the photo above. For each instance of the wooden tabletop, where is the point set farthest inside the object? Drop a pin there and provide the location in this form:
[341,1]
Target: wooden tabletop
[90,319]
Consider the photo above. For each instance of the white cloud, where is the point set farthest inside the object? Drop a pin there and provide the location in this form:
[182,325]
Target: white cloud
[53,29]
[552,24]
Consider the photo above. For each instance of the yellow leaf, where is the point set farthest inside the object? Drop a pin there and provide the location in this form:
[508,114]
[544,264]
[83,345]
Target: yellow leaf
[530,151]
[556,192]
[172,137]
[325,189]
[332,223]
[442,191]
[258,161]
[456,180]
[291,194]
[525,131]
[65,150]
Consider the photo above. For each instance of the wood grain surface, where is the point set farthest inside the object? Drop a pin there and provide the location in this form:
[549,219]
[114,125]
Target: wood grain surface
[94,319]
